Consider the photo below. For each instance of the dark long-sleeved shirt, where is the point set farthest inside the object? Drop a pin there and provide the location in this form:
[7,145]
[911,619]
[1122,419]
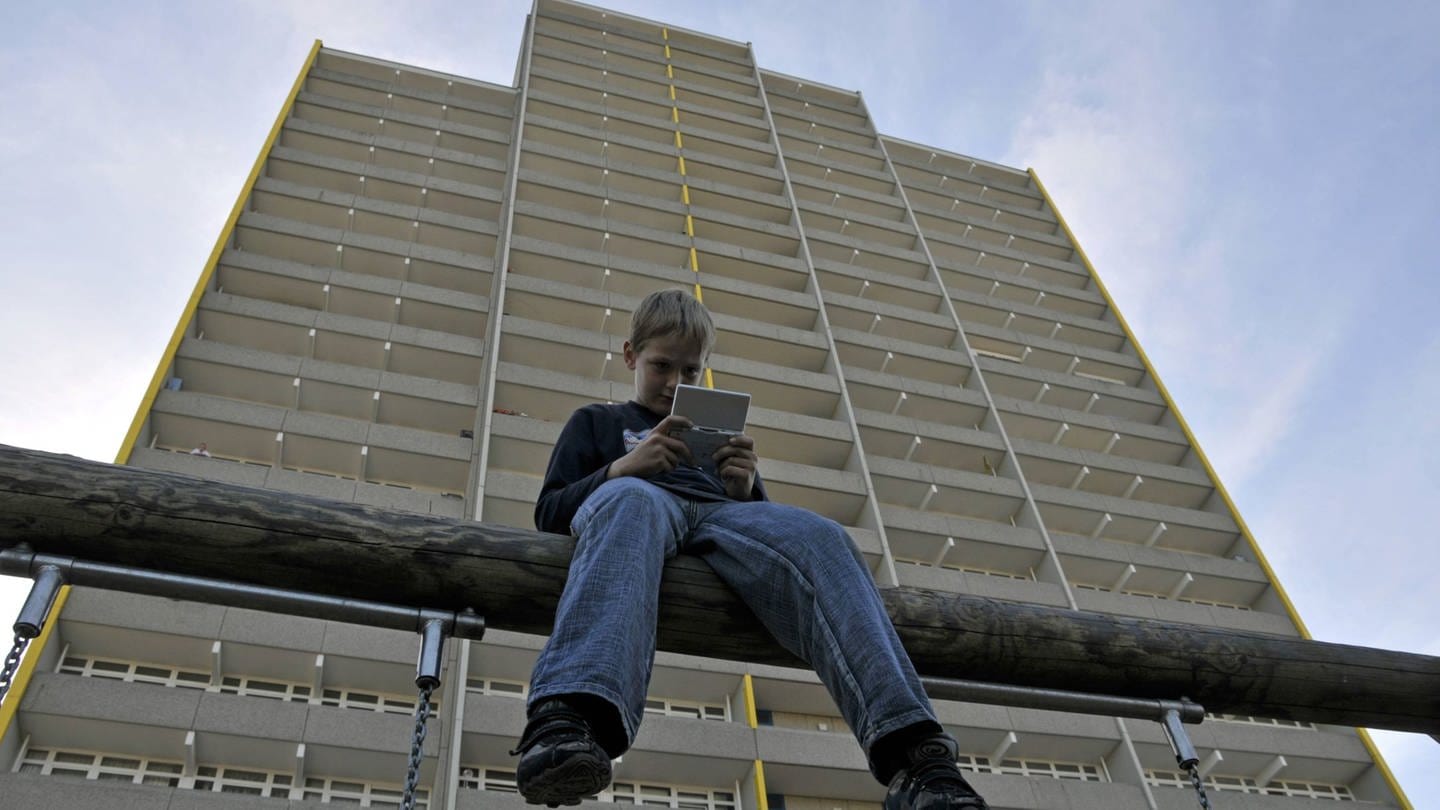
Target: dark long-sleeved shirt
[597,435]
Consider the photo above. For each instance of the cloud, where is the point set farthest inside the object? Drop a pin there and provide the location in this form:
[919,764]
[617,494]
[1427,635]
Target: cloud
[1136,149]
[1341,529]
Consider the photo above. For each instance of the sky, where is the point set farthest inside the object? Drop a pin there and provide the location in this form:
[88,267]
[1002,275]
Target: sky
[1253,181]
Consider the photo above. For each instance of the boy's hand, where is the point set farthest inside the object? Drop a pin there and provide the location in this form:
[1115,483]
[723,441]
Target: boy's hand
[736,464]
[659,453]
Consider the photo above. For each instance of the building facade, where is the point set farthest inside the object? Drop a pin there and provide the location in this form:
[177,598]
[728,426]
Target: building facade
[423,277]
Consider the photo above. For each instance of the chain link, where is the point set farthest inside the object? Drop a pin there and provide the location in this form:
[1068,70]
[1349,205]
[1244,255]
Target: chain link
[1199,786]
[412,773]
[12,661]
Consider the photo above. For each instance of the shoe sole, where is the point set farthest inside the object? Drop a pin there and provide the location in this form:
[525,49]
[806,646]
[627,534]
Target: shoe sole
[569,782]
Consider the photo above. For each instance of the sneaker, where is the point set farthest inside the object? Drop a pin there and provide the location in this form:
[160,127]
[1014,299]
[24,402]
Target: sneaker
[560,762]
[932,780]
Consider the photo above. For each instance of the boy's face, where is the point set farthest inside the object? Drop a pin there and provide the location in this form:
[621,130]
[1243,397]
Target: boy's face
[664,363]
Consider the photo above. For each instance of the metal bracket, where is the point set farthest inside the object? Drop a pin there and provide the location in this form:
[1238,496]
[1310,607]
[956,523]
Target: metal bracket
[46,587]
[1180,743]
[432,645]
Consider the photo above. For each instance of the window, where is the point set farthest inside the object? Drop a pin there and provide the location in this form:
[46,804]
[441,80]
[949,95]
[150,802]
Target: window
[1262,721]
[1073,771]
[135,672]
[102,766]
[221,779]
[260,687]
[658,795]
[1244,784]
[679,797]
[968,569]
[363,794]
[665,706]
[1148,595]
[686,708]
[371,701]
[500,780]
[497,686]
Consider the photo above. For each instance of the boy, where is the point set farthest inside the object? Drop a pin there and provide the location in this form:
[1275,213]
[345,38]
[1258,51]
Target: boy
[633,496]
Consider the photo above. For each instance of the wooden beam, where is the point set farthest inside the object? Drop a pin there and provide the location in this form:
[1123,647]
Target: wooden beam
[183,525]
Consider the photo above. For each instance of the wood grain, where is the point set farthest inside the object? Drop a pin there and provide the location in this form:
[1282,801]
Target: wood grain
[513,577]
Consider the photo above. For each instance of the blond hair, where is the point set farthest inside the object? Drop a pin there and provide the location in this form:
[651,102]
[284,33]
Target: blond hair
[672,312]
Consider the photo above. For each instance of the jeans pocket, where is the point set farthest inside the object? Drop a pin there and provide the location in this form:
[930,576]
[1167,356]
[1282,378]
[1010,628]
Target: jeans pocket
[582,518]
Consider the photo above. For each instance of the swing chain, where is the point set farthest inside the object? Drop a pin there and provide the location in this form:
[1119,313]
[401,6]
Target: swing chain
[412,773]
[1199,785]
[12,661]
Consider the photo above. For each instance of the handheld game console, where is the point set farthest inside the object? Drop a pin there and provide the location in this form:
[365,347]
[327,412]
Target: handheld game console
[716,415]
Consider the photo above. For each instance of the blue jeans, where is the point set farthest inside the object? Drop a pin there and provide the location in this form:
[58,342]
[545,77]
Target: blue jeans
[800,573]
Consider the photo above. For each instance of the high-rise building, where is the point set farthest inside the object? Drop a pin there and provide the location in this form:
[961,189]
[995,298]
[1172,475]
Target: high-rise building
[425,274]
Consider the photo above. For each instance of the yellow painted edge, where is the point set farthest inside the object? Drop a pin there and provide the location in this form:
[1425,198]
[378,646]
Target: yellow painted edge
[685,192]
[760,799]
[32,658]
[679,142]
[667,50]
[689,226]
[665,34]
[750,716]
[694,259]
[675,114]
[699,295]
[1210,470]
[669,72]
[672,92]
[1381,764]
[148,401]
[1179,417]
[682,165]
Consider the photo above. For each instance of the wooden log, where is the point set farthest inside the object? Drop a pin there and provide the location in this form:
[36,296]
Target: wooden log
[183,525]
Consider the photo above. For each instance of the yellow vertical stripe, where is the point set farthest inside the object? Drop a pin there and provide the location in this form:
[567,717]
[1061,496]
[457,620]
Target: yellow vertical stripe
[27,667]
[700,296]
[748,683]
[760,798]
[168,357]
[750,716]
[1205,462]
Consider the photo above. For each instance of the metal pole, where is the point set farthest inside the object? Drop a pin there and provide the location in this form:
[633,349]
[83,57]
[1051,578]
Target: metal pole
[1029,697]
[20,562]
